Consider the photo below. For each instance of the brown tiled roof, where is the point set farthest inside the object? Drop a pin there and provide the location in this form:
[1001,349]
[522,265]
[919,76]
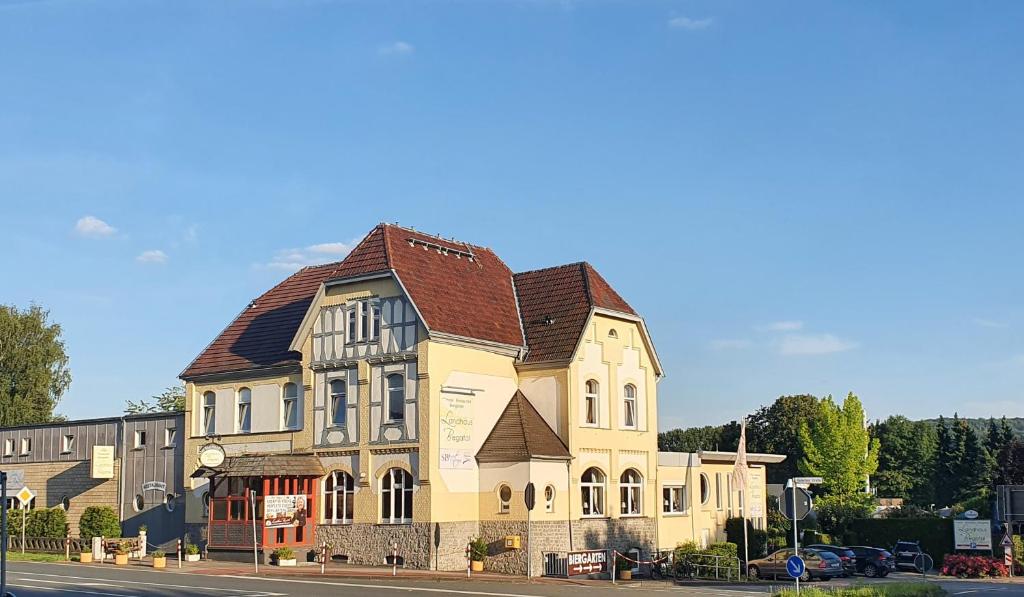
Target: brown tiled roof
[261,334]
[266,465]
[521,434]
[555,303]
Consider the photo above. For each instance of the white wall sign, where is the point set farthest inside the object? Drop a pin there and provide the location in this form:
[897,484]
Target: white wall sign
[972,534]
[455,451]
[154,486]
[102,463]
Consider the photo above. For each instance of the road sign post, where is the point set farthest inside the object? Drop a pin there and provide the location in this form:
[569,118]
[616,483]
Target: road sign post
[798,511]
[25,496]
[3,533]
[796,567]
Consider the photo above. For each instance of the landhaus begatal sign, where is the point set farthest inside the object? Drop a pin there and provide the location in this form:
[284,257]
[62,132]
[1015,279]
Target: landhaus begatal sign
[587,562]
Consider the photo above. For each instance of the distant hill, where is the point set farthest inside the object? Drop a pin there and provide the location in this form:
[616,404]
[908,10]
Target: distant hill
[981,425]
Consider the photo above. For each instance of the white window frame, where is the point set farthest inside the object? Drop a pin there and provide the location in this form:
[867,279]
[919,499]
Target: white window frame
[334,401]
[243,420]
[592,493]
[351,324]
[67,443]
[170,437]
[388,396]
[705,483]
[139,439]
[591,403]
[631,494]
[668,505]
[26,446]
[341,481]
[374,321]
[400,480]
[504,505]
[629,406]
[549,498]
[209,422]
[293,402]
[9,446]
[718,492]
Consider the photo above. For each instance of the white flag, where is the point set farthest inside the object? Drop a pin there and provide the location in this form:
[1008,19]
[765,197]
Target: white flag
[739,472]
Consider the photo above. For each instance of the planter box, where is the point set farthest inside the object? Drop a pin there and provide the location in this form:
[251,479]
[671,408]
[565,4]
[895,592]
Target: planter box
[192,557]
[290,562]
[85,557]
[476,566]
[625,575]
[121,559]
[160,562]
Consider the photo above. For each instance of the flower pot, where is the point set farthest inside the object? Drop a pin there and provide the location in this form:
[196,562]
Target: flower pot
[290,562]
[160,562]
[121,559]
[476,566]
[85,557]
[191,557]
[625,575]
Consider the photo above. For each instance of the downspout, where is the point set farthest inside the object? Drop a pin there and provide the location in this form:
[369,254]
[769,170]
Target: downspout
[121,476]
[568,495]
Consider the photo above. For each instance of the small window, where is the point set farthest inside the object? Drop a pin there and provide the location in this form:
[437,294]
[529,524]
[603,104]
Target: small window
[339,402]
[206,504]
[140,439]
[504,499]
[169,502]
[291,406]
[705,489]
[9,447]
[244,410]
[396,397]
[209,412]
[65,503]
[364,320]
[549,498]
[612,333]
[718,491]
[67,444]
[170,437]
[673,499]
[591,402]
[352,323]
[629,406]
[26,446]
[139,503]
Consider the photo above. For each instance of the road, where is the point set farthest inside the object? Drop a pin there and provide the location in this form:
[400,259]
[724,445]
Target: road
[64,580]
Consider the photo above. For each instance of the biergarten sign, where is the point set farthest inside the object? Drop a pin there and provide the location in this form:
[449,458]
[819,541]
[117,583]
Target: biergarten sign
[587,562]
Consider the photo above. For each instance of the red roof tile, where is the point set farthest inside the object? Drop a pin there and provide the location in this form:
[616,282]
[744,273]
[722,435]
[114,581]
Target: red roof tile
[520,434]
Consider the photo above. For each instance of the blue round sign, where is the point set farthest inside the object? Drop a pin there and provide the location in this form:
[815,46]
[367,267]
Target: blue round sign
[795,566]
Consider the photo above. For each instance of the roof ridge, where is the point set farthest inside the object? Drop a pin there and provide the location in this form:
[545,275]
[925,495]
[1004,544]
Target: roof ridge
[360,244]
[551,267]
[586,283]
[436,236]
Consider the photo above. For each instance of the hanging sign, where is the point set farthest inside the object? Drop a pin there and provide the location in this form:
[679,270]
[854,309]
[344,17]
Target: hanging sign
[211,455]
[284,511]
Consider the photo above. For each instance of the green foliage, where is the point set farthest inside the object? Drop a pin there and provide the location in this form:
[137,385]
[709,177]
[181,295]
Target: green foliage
[721,437]
[757,539]
[478,549]
[935,534]
[837,513]
[171,399]
[775,429]
[283,553]
[47,522]
[905,459]
[895,589]
[33,366]
[99,521]
[690,559]
[158,554]
[838,448]
[191,549]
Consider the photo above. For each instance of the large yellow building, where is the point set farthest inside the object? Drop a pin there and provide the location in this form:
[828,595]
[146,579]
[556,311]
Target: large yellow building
[410,394]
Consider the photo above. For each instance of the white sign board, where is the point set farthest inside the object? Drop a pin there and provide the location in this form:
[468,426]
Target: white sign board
[284,510]
[755,494]
[102,462]
[972,534]
[456,432]
[15,481]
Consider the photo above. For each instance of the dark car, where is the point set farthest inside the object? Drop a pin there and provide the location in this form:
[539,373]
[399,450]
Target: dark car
[906,552]
[845,554]
[872,562]
[821,565]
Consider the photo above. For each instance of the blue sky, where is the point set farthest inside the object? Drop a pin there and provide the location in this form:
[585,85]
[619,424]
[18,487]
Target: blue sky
[799,197]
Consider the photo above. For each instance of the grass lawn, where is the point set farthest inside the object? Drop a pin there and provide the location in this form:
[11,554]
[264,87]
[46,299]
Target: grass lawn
[895,589]
[17,556]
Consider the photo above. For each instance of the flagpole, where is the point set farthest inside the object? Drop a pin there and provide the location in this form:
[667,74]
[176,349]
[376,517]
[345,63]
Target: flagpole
[746,552]
[739,478]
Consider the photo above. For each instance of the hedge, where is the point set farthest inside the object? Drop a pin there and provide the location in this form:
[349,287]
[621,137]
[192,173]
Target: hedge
[935,534]
[757,540]
[99,521]
[44,522]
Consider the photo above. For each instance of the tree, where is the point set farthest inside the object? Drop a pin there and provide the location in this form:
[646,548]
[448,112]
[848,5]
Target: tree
[775,429]
[948,455]
[694,439]
[998,441]
[99,521]
[905,459]
[34,370]
[837,447]
[171,400]
[975,467]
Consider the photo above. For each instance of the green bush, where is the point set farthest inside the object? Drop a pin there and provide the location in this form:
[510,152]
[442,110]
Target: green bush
[99,521]
[896,589]
[47,522]
[478,549]
[836,514]
[935,534]
[283,553]
[691,559]
[757,540]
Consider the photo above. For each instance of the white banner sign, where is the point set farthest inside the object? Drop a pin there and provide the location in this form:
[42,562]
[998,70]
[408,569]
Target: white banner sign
[972,534]
[284,511]
[456,432]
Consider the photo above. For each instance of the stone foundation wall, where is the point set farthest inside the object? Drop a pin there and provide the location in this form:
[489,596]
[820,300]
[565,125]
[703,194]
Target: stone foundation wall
[371,544]
[499,559]
[621,534]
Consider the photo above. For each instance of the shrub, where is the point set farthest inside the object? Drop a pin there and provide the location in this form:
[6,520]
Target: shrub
[283,553]
[158,554]
[690,559]
[836,514]
[935,534]
[972,566]
[757,540]
[478,549]
[51,522]
[896,589]
[191,549]
[99,521]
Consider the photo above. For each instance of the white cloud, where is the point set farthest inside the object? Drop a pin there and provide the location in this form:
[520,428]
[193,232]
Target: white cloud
[807,344]
[987,323]
[731,344]
[781,326]
[398,48]
[93,227]
[690,24]
[296,259]
[152,256]
[191,235]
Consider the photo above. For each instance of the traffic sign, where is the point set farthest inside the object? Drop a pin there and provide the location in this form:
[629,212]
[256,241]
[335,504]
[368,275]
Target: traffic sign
[803,503]
[25,495]
[1006,542]
[795,566]
[808,480]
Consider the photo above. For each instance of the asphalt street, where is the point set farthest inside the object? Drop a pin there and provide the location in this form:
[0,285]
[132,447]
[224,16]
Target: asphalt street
[63,580]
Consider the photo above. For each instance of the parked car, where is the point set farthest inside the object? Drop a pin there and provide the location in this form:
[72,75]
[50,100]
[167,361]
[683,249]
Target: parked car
[820,565]
[906,552]
[872,562]
[846,556]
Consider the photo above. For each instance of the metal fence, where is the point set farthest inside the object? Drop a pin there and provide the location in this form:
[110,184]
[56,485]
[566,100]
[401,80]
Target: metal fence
[706,567]
[556,563]
[49,544]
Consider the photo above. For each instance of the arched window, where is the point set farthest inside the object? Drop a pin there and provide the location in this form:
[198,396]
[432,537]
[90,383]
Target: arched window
[504,499]
[244,410]
[209,412]
[705,489]
[612,333]
[630,492]
[549,498]
[396,497]
[592,490]
[629,406]
[339,402]
[396,397]
[339,498]
[291,405]
[591,402]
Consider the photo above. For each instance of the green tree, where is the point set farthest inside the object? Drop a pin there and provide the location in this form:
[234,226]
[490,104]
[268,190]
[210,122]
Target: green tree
[975,467]
[998,441]
[694,439]
[837,447]
[775,429]
[99,521]
[33,366]
[170,400]
[906,459]
[948,456]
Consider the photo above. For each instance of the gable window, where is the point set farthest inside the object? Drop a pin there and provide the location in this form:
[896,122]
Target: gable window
[592,491]
[209,412]
[26,446]
[591,402]
[396,497]
[244,410]
[549,498]
[140,439]
[291,405]
[339,402]
[504,499]
[9,447]
[630,485]
[339,498]
[67,444]
[396,397]
[629,406]
[673,499]
[170,437]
